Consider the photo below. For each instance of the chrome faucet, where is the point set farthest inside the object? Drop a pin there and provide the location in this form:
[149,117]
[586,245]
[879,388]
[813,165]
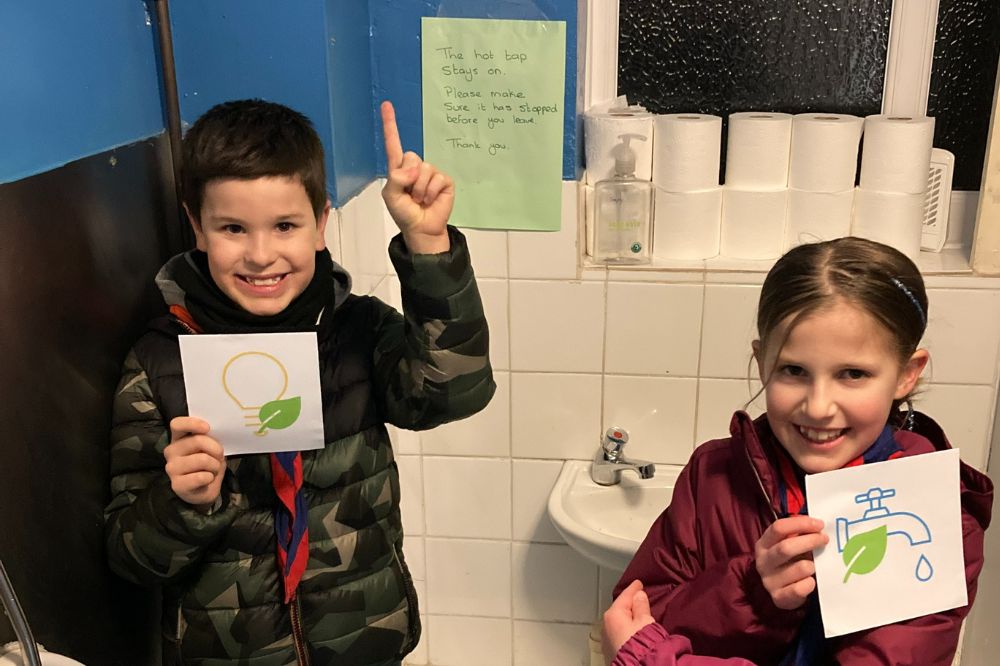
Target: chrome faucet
[610,461]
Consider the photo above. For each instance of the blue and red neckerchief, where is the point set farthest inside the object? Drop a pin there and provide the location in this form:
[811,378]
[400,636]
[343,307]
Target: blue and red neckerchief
[290,516]
[791,481]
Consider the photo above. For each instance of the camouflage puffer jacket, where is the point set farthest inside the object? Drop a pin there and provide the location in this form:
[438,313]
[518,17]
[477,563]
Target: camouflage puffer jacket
[356,604]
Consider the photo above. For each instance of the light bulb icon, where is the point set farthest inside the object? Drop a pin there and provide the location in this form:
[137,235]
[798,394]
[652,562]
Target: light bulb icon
[256,381]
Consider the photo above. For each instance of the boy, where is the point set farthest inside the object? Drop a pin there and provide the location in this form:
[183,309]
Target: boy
[268,560]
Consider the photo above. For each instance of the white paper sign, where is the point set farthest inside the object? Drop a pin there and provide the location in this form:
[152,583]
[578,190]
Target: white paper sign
[895,549]
[259,392]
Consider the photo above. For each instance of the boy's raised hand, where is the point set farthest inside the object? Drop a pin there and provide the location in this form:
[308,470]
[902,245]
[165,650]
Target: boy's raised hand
[418,196]
[783,556]
[196,464]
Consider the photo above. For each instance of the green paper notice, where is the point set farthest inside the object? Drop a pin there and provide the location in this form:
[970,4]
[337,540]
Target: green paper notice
[493,106]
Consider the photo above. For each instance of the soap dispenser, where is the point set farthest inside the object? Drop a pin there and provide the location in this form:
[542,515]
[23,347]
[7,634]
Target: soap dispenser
[623,211]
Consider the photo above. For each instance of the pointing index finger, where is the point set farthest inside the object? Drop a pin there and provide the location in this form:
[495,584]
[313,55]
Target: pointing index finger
[393,146]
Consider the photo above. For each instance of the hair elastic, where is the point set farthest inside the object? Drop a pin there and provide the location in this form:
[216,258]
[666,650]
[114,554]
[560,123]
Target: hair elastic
[913,299]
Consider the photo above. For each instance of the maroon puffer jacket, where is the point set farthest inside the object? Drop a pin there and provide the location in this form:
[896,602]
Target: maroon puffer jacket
[697,565]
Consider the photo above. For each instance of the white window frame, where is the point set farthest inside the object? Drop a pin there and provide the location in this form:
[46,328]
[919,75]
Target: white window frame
[909,61]
[986,237]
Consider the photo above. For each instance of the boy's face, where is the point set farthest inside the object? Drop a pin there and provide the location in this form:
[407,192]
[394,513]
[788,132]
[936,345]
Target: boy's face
[261,237]
[832,385]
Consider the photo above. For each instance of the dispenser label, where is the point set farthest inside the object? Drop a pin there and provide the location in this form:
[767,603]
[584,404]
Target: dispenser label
[895,549]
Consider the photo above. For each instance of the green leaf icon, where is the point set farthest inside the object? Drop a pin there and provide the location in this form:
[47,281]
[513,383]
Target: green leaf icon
[864,552]
[279,414]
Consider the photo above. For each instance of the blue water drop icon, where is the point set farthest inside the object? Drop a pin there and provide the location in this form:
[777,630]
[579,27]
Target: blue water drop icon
[924,570]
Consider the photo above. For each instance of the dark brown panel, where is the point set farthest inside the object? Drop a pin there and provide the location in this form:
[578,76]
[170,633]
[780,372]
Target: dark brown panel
[80,247]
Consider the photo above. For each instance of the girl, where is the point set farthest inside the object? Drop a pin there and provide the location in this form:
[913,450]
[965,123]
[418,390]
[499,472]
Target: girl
[729,564]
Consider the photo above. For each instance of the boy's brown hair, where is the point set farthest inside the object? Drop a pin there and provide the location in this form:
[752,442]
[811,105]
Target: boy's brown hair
[247,139]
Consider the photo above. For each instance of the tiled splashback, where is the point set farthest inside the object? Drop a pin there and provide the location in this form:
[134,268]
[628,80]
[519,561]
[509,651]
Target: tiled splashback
[664,354]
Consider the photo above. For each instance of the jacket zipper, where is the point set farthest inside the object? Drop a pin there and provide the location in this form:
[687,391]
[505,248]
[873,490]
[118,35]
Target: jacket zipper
[760,484]
[298,640]
[413,611]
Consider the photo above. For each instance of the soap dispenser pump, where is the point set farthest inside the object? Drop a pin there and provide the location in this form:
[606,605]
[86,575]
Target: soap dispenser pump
[623,207]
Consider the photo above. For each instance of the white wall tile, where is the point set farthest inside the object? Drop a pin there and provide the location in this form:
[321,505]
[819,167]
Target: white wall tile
[963,331]
[383,290]
[362,235]
[403,441]
[593,273]
[533,481]
[965,413]
[553,583]
[411,487]
[392,294]
[548,254]
[653,329]
[494,295]
[467,497]
[555,416]
[488,250]
[486,433]
[468,641]
[607,579]
[468,577]
[718,399]
[556,326]
[413,551]
[332,236]
[552,644]
[728,328]
[688,273]
[657,412]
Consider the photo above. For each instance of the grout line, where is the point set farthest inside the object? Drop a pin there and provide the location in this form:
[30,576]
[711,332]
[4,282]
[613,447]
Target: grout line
[701,347]
[510,448]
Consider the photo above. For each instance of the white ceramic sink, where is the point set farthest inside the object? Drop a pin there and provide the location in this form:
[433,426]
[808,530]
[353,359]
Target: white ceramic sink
[606,524]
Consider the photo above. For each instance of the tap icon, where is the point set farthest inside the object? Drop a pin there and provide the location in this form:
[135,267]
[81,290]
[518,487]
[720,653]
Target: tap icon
[902,523]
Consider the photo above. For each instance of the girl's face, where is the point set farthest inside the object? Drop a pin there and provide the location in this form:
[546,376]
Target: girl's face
[832,384]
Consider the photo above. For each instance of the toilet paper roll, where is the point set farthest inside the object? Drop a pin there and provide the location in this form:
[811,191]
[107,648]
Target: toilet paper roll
[753,223]
[602,132]
[686,151]
[687,225]
[824,152]
[893,218]
[817,216]
[757,150]
[896,153]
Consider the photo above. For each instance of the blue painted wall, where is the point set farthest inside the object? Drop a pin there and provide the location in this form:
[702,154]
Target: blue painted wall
[76,78]
[349,70]
[396,50]
[313,56]
[80,78]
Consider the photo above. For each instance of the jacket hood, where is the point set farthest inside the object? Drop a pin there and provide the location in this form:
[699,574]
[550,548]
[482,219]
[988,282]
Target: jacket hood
[173,293]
